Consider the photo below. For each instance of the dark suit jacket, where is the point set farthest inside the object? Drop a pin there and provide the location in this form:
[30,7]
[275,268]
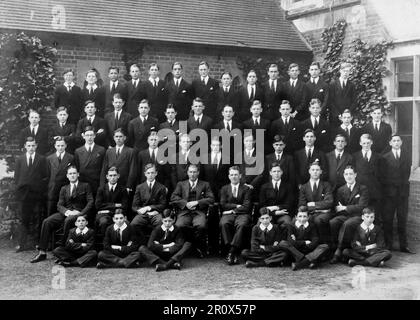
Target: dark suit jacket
[375,236]
[323,197]
[90,165]
[113,238]
[395,174]
[72,100]
[292,132]
[341,98]
[157,97]
[68,132]
[31,183]
[284,198]
[178,171]
[322,133]
[112,125]
[41,139]
[254,179]
[272,99]
[297,98]
[310,233]
[134,96]
[245,102]
[263,125]
[229,202]
[98,96]
[258,238]
[320,91]
[105,200]
[286,164]
[156,199]
[158,235]
[381,138]
[163,170]
[98,123]
[230,98]
[126,164]
[76,245]
[368,173]
[221,125]
[353,142]
[109,94]
[180,97]
[336,171]
[139,132]
[208,93]
[205,123]
[216,176]
[57,173]
[302,164]
[204,195]
[355,201]
[82,201]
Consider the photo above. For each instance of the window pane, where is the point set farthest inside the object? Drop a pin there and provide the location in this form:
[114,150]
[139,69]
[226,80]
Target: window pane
[404,77]
[404,115]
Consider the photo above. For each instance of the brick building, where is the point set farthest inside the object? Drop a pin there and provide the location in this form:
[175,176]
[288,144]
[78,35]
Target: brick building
[374,21]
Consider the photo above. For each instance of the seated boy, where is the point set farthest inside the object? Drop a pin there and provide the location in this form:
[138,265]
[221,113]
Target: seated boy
[92,120]
[265,239]
[303,242]
[167,246]
[368,245]
[120,245]
[78,250]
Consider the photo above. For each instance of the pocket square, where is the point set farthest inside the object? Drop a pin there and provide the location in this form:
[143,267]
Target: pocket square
[321,90]
[323,131]
[183,91]
[357,196]
[211,88]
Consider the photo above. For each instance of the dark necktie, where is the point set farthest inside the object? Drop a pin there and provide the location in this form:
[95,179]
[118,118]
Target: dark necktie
[265,235]
[252,94]
[166,234]
[90,120]
[198,121]
[348,132]
[235,191]
[177,83]
[226,90]
[214,161]
[90,150]
[73,191]
[316,123]
[309,154]
[228,126]
[119,234]
[150,187]
[397,156]
[59,158]
[338,157]
[366,156]
[277,188]
[30,162]
[111,191]
[118,152]
[256,122]
[272,86]
[203,82]
[33,132]
[152,156]
[113,87]
[135,84]
[377,127]
[90,91]
[117,120]
[315,188]
[301,228]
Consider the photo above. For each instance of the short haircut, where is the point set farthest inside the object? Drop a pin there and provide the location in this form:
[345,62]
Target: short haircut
[309,131]
[152,134]
[113,68]
[117,96]
[30,139]
[226,72]
[340,136]
[236,168]
[120,130]
[316,63]
[264,211]
[67,71]
[199,100]
[60,109]
[350,167]
[315,163]
[118,211]
[377,107]
[89,128]
[256,103]
[366,136]
[176,63]
[395,135]
[279,138]
[168,213]
[315,101]
[71,167]
[293,65]
[285,102]
[367,211]
[275,164]
[204,63]
[60,138]
[347,111]
[92,71]
[144,101]
[149,166]
[170,106]
[135,65]
[273,65]
[193,165]
[303,209]
[154,64]
[113,168]
[252,70]
[33,111]
[248,134]
[89,101]
[229,106]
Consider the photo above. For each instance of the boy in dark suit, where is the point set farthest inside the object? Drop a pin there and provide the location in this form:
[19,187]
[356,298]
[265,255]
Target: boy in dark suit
[124,159]
[116,119]
[265,239]
[192,197]
[342,95]
[317,196]
[31,176]
[294,90]
[94,121]
[134,90]
[62,128]
[113,87]
[227,121]
[94,92]
[351,199]
[288,127]
[235,203]
[368,245]
[206,89]
[379,130]
[121,245]
[317,88]
[35,130]
[110,197]
[256,122]
[166,246]
[304,157]
[75,200]
[140,127]
[273,93]
[89,158]
[396,169]
[180,92]
[149,202]
[57,168]
[178,170]
[303,242]
[277,197]
[351,133]
[226,95]
[198,120]
[337,160]
[319,126]
[156,93]
[70,96]
[79,248]
[247,95]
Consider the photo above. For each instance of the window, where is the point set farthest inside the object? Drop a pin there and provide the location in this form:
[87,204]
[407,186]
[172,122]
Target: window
[404,78]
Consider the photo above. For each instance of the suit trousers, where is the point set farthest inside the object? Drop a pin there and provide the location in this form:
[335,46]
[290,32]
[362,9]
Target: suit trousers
[369,259]
[154,256]
[114,261]
[322,223]
[235,229]
[213,229]
[194,225]
[52,224]
[30,214]
[298,255]
[143,222]
[400,206]
[271,259]
[342,230]
[102,221]
[84,259]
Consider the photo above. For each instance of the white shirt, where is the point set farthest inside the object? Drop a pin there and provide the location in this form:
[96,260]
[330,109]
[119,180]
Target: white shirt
[365,227]
[143,119]
[83,231]
[230,124]
[179,80]
[73,186]
[198,117]
[69,85]
[376,124]
[269,227]
[298,224]
[278,155]
[94,86]
[153,80]
[286,119]
[293,82]
[249,152]
[118,114]
[60,155]
[338,153]
[315,80]
[205,79]
[217,155]
[273,83]
[91,118]
[30,156]
[314,183]
[258,119]
[89,146]
[343,82]
[150,184]
[369,154]
[164,228]
[397,153]
[309,148]
[185,155]
[115,83]
[348,127]
[34,128]
[226,89]
[351,186]
[313,120]
[135,82]
[276,182]
[249,87]
[112,187]
[119,149]
[233,189]
[193,184]
[122,228]
[154,151]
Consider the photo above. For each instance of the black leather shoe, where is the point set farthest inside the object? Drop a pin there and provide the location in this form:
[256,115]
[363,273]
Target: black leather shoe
[230,259]
[294,266]
[312,266]
[19,249]
[252,264]
[160,267]
[176,266]
[39,257]
[335,259]
[65,264]
[200,253]
[101,265]
[407,250]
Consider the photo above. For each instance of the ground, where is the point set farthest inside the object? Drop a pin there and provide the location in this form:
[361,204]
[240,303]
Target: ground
[208,279]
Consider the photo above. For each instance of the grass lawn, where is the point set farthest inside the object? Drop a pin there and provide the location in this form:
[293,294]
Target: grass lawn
[209,279]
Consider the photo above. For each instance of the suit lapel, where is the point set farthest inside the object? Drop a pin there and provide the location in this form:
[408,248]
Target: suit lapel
[354,192]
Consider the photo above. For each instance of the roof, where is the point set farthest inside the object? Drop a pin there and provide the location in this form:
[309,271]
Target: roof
[245,23]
